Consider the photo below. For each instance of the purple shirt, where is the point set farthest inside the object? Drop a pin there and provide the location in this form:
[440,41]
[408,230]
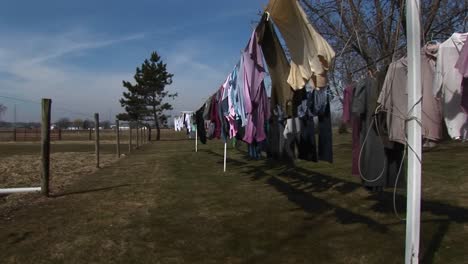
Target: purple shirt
[254,91]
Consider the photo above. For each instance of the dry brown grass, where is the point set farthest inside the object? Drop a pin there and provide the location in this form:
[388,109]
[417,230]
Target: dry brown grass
[24,171]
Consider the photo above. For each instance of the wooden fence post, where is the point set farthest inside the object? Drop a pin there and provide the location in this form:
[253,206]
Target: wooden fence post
[89,135]
[96,127]
[117,128]
[45,146]
[149,134]
[130,137]
[141,135]
[14,134]
[60,134]
[137,136]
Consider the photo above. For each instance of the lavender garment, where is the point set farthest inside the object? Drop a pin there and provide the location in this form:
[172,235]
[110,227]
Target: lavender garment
[462,62]
[462,66]
[348,118]
[347,98]
[254,73]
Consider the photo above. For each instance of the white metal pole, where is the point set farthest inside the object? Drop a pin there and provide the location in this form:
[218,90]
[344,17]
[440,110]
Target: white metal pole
[196,140]
[19,190]
[413,202]
[225,148]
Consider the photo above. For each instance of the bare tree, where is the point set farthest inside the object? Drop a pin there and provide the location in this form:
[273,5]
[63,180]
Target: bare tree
[371,33]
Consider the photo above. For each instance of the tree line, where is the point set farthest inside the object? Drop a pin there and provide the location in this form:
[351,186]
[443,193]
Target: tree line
[62,123]
[65,123]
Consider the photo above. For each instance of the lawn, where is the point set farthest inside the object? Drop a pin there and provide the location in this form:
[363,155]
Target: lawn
[164,203]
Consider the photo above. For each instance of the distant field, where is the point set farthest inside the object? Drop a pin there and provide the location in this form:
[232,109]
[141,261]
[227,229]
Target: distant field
[20,161]
[81,135]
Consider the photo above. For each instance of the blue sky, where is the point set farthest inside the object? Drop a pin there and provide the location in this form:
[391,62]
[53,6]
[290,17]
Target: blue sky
[78,52]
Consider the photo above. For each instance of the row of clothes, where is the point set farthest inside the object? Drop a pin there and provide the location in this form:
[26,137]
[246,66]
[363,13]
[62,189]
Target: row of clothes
[377,109]
[443,90]
[184,121]
[286,123]
[178,123]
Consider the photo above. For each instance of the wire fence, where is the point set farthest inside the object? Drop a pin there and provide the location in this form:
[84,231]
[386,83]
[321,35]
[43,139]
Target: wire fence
[71,153]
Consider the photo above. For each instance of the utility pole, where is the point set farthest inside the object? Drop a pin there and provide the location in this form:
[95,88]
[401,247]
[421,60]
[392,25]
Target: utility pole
[14,116]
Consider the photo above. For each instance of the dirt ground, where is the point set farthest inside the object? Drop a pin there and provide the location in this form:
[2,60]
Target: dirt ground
[164,203]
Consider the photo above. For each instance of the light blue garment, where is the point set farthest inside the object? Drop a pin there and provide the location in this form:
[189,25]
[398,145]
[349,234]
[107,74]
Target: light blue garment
[240,106]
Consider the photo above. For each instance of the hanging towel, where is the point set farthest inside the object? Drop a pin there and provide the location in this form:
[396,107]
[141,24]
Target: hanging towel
[310,53]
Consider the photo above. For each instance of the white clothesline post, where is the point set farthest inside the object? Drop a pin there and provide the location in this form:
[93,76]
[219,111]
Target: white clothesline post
[196,140]
[413,202]
[225,152]
[20,190]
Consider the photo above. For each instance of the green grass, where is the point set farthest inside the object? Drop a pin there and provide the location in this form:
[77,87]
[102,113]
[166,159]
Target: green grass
[167,204]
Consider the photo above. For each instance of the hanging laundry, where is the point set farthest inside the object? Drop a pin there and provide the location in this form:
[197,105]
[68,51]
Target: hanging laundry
[214,116]
[325,145]
[349,118]
[206,111]
[447,85]
[462,62]
[378,164]
[240,107]
[178,123]
[394,98]
[462,66]
[200,123]
[255,97]
[307,145]
[310,53]
[278,67]
[223,111]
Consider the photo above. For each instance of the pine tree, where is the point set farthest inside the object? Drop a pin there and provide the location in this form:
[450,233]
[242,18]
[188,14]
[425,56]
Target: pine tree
[145,99]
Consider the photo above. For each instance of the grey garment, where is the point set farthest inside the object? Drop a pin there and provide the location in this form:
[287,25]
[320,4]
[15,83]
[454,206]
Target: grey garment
[325,140]
[206,112]
[320,101]
[378,165]
[277,143]
[293,127]
[394,99]
[278,67]
[292,136]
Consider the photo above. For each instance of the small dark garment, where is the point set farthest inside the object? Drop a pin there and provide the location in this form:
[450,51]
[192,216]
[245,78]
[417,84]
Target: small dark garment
[201,124]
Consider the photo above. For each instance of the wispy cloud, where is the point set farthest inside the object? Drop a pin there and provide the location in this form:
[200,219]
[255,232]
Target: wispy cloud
[36,65]
[34,72]
[86,45]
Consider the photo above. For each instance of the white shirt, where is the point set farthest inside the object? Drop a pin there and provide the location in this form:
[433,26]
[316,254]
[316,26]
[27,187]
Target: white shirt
[447,85]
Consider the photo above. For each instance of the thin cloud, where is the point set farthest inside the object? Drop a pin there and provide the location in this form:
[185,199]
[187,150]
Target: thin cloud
[87,45]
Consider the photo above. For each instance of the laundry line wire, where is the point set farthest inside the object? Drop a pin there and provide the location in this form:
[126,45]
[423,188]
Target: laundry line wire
[56,108]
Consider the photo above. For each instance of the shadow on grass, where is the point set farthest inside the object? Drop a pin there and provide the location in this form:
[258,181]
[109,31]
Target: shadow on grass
[435,243]
[303,183]
[89,191]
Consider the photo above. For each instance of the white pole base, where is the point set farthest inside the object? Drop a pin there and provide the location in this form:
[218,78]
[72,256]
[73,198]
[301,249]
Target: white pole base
[19,190]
